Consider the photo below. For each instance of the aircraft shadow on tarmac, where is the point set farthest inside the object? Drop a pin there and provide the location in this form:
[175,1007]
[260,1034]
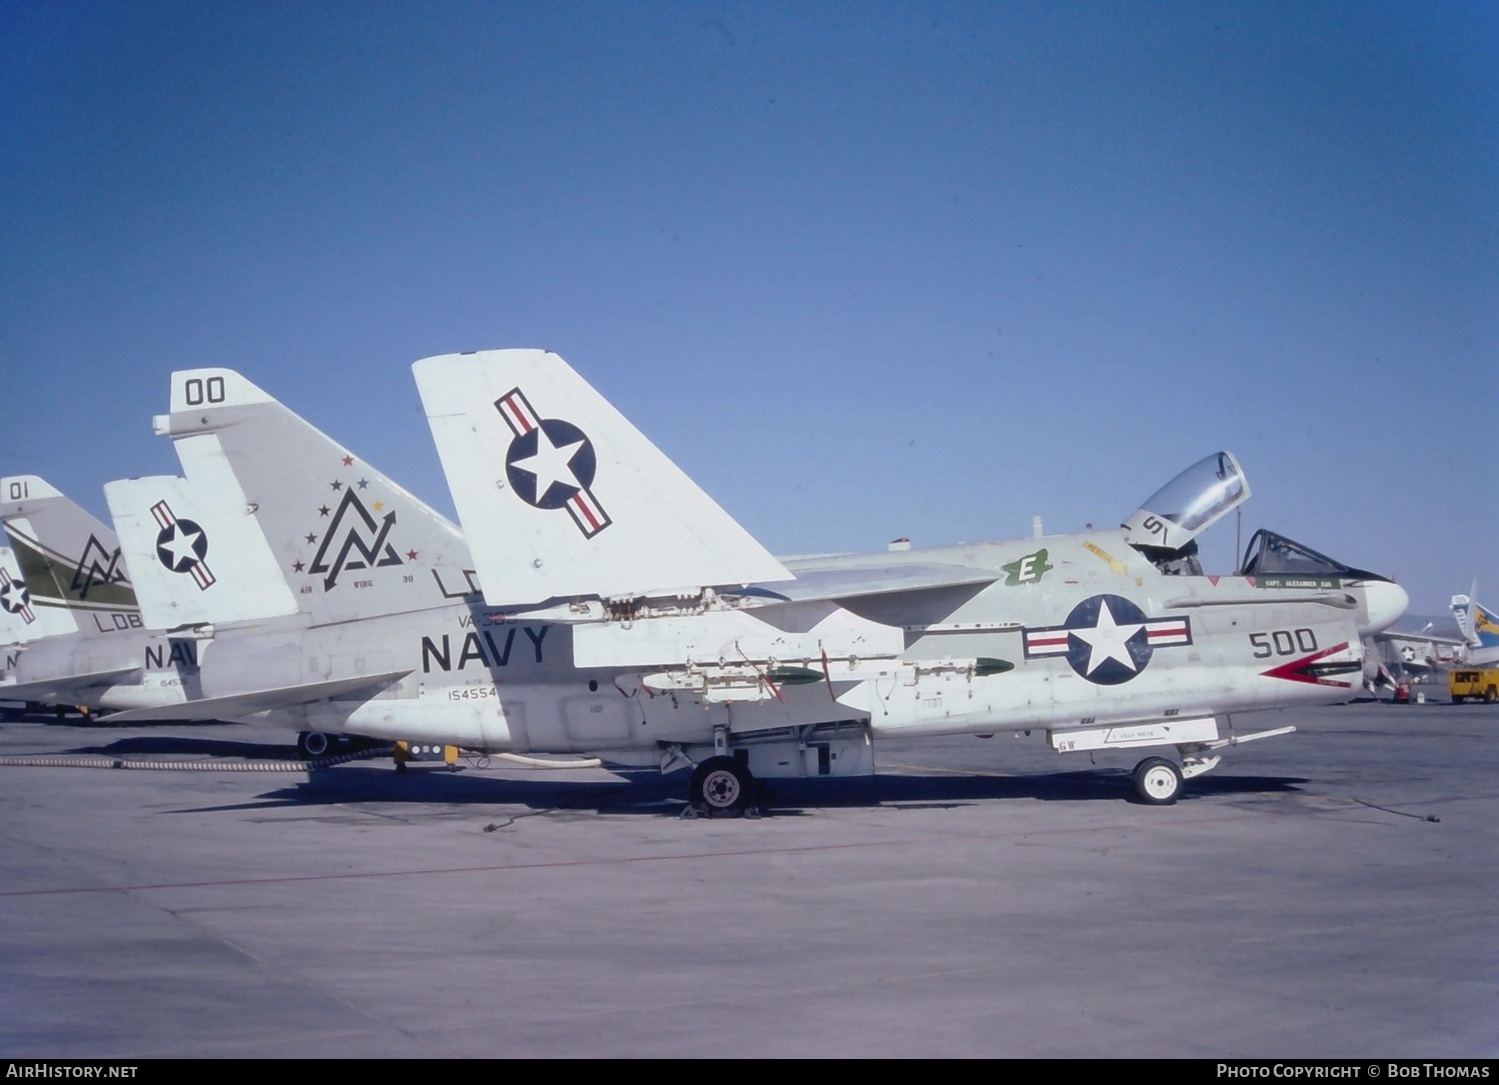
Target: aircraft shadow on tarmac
[650,794]
[167,746]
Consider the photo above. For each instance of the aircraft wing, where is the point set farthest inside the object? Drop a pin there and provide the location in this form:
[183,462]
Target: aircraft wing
[239,705]
[814,584]
[1415,651]
[66,687]
[1395,636]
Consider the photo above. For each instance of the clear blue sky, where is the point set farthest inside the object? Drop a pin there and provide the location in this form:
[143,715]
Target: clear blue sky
[864,270]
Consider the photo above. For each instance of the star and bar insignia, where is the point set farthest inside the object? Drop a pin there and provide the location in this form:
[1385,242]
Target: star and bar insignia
[1107,639]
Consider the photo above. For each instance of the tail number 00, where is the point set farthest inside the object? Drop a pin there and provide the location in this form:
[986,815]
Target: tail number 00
[199,391]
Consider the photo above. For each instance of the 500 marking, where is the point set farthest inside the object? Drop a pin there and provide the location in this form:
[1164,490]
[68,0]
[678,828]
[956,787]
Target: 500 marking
[1283,642]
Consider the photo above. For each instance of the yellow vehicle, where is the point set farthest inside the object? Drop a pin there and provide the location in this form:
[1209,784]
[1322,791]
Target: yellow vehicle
[1482,683]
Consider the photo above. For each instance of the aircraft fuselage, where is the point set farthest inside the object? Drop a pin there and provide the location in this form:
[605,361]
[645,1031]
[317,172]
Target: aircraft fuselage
[1086,634]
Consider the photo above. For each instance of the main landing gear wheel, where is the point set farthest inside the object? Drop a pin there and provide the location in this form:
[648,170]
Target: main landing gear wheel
[1158,782]
[312,745]
[721,784]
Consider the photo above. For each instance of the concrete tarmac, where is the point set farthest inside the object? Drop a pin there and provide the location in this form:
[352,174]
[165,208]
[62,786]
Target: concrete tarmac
[1328,894]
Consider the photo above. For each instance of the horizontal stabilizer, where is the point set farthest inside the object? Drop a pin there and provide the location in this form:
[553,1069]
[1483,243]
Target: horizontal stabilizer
[561,497]
[66,688]
[240,705]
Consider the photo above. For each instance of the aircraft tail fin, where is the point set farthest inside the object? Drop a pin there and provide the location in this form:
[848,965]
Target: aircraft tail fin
[197,557]
[70,561]
[561,497]
[23,619]
[346,540]
[1479,627]
[1462,611]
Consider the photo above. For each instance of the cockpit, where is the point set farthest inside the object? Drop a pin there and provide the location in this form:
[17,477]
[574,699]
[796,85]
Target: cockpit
[1269,554]
[1165,531]
[1165,528]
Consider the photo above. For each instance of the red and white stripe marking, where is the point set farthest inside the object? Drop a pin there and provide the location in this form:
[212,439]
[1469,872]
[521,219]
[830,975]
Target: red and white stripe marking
[517,412]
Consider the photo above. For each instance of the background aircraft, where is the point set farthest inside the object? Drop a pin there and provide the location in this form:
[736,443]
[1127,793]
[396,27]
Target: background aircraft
[321,594]
[86,645]
[1480,629]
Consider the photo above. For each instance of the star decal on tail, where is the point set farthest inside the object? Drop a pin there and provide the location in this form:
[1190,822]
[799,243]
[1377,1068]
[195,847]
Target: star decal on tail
[181,546]
[551,464]
[14,597]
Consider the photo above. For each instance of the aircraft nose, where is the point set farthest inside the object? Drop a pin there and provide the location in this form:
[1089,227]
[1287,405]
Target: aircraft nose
[1385,602]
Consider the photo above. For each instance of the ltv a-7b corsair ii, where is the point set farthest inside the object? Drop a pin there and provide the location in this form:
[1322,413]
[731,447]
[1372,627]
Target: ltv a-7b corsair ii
[746,666]
[625,615]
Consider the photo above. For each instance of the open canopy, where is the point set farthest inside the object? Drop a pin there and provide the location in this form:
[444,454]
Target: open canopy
[1189,504]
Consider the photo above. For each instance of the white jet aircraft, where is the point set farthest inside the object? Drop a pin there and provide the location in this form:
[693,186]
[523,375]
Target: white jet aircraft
[1099,640]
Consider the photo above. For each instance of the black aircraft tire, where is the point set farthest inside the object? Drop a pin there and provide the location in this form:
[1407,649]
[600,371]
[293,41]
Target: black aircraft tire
[1158,782]
[721,783]
[312,745]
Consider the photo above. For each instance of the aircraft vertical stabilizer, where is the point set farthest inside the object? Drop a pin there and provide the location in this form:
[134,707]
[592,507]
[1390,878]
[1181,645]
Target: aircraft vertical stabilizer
[1480,629]
[197,555]
[348,542]
[561,497]
[23,619]
[69,559]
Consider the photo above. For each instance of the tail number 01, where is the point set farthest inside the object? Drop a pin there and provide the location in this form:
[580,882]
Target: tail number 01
[1283,642]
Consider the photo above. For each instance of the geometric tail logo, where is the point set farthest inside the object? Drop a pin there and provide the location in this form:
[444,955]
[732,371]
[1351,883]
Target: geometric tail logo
[353,551]
[96,566]
[550,464]
[181,545]
[15,598]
